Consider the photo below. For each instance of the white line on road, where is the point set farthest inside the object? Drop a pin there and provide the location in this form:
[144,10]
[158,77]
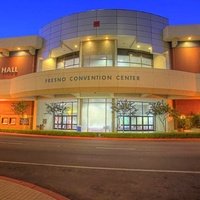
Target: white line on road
[18,143]
[116,148]
[100,168]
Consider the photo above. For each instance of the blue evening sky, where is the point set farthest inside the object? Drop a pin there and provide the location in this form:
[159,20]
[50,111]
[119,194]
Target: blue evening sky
[26,17]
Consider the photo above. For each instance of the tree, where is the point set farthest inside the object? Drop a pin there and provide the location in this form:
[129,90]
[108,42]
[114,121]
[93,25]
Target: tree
[162,110]
[124,108]
[56,108]
[19,107]
[195,120]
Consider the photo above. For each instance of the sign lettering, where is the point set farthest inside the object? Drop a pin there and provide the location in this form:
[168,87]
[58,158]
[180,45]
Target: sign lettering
[8,70]
[92,78]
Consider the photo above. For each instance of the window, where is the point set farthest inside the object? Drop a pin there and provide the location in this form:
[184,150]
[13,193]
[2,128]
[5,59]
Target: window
[12,121]
[135,123]
[97,115]
[132,58]
[141,121]
[98,53]
[67,120]
[97,61]
[68,60]
[4,120]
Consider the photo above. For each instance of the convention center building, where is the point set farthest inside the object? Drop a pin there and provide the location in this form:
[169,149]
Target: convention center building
[89,61]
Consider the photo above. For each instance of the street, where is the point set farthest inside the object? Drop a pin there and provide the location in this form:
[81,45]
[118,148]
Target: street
[91,169]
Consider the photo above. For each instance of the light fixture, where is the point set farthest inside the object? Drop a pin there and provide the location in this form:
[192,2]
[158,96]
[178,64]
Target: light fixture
[32,51]
[5,53]
[106,38]
[76,46]
[189,38]
[182,117]
[18,48]
[150,48]
[138,46]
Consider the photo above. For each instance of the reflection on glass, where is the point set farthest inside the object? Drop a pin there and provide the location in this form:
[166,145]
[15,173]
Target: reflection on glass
[97,115]
[141,121]
[67,120]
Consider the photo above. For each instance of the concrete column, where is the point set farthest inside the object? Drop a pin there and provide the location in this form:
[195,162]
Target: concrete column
[80,103]
[35,106]
[170,120]
[113,118]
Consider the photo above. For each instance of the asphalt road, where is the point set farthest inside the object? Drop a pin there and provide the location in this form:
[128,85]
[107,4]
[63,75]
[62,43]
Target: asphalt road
[84,169]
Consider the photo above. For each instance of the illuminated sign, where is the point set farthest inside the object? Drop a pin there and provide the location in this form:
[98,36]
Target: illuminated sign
[8,70]
[93,78]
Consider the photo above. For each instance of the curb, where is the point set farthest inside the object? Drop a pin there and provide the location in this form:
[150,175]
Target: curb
[98,138]
[35,187]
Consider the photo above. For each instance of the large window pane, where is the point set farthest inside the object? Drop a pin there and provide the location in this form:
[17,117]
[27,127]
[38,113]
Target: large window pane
[97,61]
[96,115]
[147,61]
[109,63]
[122,58]
[133,58]
[68,60]
[68,63]
[68,119]
[141,121]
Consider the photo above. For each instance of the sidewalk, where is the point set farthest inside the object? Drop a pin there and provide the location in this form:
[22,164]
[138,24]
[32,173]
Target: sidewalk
[12,189]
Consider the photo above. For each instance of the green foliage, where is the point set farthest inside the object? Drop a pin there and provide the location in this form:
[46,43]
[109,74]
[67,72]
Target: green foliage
[124,107]
[56,108]
[181,123]
[195,120]
[162,110]
[106,135]
[184,122]
[19,107]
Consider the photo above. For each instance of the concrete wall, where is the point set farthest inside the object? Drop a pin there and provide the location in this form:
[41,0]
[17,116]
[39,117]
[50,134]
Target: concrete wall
[187,106]
[186,59]
[99,80]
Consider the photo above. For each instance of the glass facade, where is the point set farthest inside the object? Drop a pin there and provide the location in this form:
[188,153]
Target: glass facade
[98,53]
[102,58]
[67,120]
[96,115]
[68,61]
[131,58]
[98,61]
[141,121]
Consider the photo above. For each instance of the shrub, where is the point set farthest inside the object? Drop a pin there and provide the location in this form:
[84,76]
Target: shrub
[195,120]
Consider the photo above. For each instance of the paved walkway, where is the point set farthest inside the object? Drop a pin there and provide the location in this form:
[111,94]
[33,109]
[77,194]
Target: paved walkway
[12,189]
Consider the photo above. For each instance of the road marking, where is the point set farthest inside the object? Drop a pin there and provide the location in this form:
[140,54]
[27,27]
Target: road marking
[100,168]
[11,143]
[116,148]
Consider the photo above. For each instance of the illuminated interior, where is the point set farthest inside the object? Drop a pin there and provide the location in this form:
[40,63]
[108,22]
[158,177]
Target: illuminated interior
[90,68]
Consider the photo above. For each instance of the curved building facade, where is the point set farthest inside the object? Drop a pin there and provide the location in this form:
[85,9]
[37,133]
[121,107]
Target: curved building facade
[88,62]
